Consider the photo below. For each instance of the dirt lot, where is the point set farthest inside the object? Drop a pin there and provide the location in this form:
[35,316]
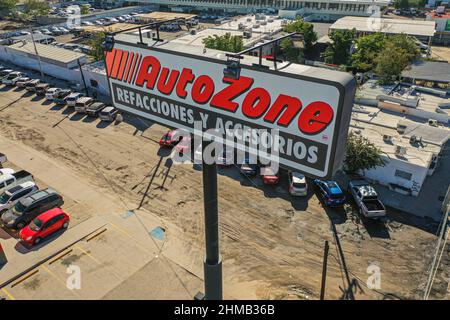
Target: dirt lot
[271,244]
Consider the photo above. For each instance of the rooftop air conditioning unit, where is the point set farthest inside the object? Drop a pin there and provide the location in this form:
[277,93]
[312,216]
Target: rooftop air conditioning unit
[387,138]
[432,122]
[401,128]
[400,151]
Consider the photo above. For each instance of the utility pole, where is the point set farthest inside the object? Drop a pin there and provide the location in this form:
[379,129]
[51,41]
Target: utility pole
[324,270]
[212,263]
[82,77]
[37,54]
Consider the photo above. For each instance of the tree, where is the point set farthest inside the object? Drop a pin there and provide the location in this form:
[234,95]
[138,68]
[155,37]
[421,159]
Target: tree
[367,49]
[96,44]
[7,6]
[290,52]
[397,53]
[401,4]
[36,8]
[225,42]
[306,29]
[84,9]
[361,154]
[338,52]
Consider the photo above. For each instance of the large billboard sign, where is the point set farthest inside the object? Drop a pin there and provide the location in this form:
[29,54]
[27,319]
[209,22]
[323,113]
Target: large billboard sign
[310,110]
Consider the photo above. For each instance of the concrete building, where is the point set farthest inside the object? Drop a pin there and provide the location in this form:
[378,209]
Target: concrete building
[313,9]
[422,30]
[442,21]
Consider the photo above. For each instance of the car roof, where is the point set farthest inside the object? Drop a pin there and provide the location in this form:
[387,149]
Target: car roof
[47,215]
[108,109]
[298,177]
[75,94]
[36,196]
[84,99]
[333,187]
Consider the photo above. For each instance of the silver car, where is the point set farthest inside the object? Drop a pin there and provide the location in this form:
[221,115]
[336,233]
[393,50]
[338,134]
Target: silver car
[10,197]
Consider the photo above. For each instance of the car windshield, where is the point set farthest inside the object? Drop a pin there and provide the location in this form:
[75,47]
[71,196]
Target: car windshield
[4,198]
[36,224]
[19,208]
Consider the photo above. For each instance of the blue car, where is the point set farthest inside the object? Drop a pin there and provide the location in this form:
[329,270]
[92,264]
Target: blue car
[330,193]
[249,167]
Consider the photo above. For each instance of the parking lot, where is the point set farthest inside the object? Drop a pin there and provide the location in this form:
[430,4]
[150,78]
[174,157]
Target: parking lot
[115,177]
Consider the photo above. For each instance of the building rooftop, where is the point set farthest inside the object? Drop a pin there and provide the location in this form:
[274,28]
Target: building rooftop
[375,124]
[197,39]
[157,15]
[115,27]
[47,53]
[385,25]
[250,22]
[429,71]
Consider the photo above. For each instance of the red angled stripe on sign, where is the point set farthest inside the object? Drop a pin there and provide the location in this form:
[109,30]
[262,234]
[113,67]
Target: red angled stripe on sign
[138,65]
[133,68]
[109,60]
[116,64]
[127,69]
[123,64]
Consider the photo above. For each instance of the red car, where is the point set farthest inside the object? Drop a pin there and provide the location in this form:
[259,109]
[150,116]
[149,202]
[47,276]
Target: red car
[44,225]
[269,176]
[169,140]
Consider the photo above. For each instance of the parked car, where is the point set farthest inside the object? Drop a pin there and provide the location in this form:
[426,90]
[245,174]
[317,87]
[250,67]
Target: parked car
[59,97]
[31,206]
[72,98]
[170,139]
[44,225]
[5,72]
[269,176]
[22,82]
[248,167]
[366,199]
[50,93]
[94,109]
[184,146]
[297,184]
[6,171]
[46,32]
[11,79]
[82,103]
[32,84]
[11,195]
[41,89]
[226,157]
[329,192]
[10,180]
[108,114]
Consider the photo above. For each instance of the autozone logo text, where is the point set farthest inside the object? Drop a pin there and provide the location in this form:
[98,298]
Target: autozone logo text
[257,102]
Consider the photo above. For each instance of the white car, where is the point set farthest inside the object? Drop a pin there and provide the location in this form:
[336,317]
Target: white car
[12,195]
[22,82]
[72,98]
[50,93]
[226,157]
[6,171]
[297,184]
[12,78]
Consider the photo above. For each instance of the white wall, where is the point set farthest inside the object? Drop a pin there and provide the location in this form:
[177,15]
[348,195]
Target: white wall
[386,175]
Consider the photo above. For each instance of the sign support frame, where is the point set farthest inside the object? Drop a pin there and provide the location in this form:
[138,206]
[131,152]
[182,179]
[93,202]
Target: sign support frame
[212,264]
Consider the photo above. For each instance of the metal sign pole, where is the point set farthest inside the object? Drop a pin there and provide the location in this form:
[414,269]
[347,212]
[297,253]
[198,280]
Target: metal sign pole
[212,264]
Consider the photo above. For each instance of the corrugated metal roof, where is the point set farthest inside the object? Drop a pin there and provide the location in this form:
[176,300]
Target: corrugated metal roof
[428,70]
[385,25]
[48,53]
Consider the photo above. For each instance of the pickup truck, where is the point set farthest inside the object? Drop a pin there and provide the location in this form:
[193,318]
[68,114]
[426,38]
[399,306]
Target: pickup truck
[13,179]
[366,199]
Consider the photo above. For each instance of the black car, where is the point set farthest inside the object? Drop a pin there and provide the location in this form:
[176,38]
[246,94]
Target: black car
[94,109]
[41,89]
[30,207]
